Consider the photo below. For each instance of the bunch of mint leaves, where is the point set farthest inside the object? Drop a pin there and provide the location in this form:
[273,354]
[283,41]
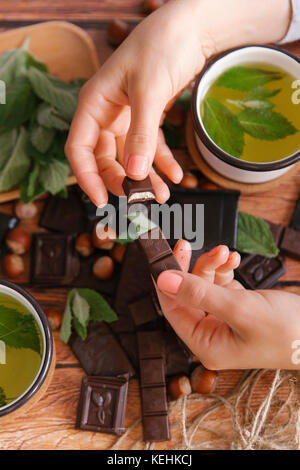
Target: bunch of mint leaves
[83,306]
[34,123]
[256,116]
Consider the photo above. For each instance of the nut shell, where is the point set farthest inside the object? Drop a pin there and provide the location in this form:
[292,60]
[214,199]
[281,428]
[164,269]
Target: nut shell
[203,380]
[12,265]
[103,268]
[18,240]
[179,386]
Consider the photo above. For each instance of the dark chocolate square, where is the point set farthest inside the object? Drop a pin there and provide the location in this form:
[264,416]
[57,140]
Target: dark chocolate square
[138,191]
[154,245]
[54,261]
[290,243]
[64,215]
[143,311]
[100,353]
[168,262]
[152,372]
[258,272]
[102,404]
[150,344]
[154,400]
[156,428]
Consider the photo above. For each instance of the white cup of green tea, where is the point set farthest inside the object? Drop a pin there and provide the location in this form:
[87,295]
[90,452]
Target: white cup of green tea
[245,113]
[26,349]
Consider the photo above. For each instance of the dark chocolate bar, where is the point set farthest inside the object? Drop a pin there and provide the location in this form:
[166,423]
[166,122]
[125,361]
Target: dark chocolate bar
[153,387]
[102,404]
[64,215]
[295,221]
[100,353]
[259,272]
[158,252]
[54,261]
[143,311]
[277,232]
[290,243]
[138,191]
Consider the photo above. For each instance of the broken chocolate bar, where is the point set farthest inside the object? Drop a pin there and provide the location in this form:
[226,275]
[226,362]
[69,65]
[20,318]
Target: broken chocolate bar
[100,353]
[290,243]
[54,261]
[64,215]
[158,252]
[102,404]
[153,386]
[143,311]
[258,272]
[138,191]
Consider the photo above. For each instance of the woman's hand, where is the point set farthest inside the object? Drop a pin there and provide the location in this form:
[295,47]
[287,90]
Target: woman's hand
[225,325]
[121,107]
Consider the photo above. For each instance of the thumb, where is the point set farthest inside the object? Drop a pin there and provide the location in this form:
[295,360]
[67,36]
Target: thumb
[141,140]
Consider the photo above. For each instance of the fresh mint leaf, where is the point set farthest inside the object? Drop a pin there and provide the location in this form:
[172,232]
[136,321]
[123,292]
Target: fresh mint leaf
[58,94]
[265,124]
[32,61]
[79,328]
[261,93]
[41,138]
[49,117]
[20,104]
[18,330]
[53,176]
[30,188]
[252,104]
[81,309]
[255,237]
[223,127]
[13,63]
[17,166]
[66,325]
[246,78]
[7,142]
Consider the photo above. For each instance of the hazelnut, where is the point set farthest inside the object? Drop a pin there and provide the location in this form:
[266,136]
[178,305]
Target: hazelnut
[13,265]
[84,245]
[189,181]
[118,252]
[175,116]
[18,240]
[25,211]
[179,386]
[203,380]
[209,186]
[102,235]
[54,319]
[117,31]
[103,268]
[107,246]
[152,5]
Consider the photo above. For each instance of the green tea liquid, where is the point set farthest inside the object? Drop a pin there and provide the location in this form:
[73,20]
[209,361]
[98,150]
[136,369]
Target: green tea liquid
[258,150]
[21,363]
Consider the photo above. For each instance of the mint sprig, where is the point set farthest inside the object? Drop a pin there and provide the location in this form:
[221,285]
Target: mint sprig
[18,330]
[246,78]
[255,237]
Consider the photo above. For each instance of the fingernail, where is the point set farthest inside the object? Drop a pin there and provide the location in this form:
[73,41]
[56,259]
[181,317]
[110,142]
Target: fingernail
[137,165]
[213,252]
[169,282]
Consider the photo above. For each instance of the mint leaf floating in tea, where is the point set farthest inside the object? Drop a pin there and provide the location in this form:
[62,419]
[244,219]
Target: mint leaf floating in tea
[18,164]
[18,330]
[223,127]
[41,137]
[246,78]
[20,104]
[255,237]
[3,399]
[252,104]
[265,124]
[261,93]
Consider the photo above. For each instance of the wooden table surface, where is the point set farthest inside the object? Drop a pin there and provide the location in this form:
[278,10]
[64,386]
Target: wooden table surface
[50,425]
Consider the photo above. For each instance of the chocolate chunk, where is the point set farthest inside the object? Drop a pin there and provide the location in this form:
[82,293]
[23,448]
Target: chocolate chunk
[102,404]
[143,311]
[156,428]
[154,400]
[158,252]
[86,277]
[128,342]
[64,215]
[150,344]
[138,191]
[54,261]
[258,272]
[152,372]
[295,221]
[290,243]
[100,353]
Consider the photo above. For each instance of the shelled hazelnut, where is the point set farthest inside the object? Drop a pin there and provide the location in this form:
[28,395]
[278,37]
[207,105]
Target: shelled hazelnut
[118,252]
[189,181]
[178,386]
[12,265]
[203,380]
[18,240]
[54,319]
[84,244]
[103,268]
[102,236]
[152,5]
[25,211]
[117,31]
